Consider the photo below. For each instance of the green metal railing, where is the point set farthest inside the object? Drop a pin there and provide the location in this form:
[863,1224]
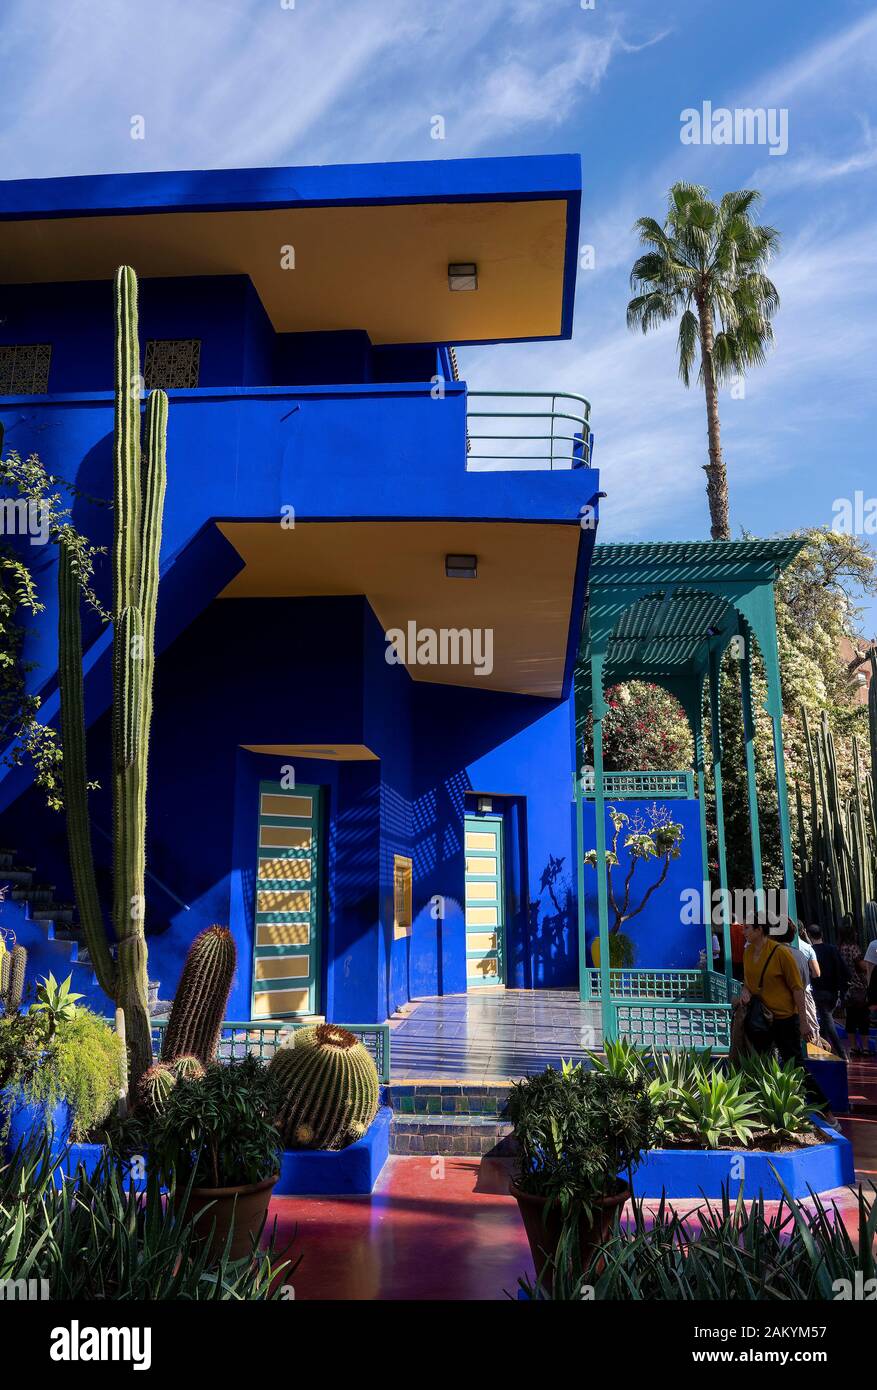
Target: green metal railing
[262,1037]
[666,986]
[620,785]
[558,436]
[663,1026]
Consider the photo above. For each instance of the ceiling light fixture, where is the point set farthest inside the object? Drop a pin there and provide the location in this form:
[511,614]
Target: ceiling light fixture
[462,275]
[461,566]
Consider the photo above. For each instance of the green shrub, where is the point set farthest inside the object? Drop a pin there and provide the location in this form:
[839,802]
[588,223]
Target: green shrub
[780,1095]
[81,1063]
[218,1129]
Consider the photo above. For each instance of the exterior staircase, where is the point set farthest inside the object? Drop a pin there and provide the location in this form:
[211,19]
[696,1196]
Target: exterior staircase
[443,1118]
[45,927]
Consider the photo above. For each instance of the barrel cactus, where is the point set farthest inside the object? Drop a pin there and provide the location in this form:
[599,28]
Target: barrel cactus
[155,1086]
[187,1068]
[330,1087]
[198,1009]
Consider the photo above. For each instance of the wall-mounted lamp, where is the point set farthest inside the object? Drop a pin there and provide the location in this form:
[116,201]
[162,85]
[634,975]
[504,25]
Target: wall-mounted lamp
[461,566]
[485,805]
[462,275]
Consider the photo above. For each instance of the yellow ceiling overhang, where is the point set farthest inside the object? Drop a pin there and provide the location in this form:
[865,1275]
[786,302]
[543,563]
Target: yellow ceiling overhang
[522,595]
[378,268]
[332,752]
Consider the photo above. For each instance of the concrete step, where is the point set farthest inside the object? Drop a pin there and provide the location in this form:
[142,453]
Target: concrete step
[53,912]
[448,1117]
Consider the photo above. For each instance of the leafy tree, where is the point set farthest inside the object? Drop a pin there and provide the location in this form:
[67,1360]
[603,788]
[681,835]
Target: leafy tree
[659,838]
[23,735]
[706,266]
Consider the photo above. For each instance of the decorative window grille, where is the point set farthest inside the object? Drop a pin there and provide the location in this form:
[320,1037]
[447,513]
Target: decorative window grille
[402,894]
[24,369]
[172,364]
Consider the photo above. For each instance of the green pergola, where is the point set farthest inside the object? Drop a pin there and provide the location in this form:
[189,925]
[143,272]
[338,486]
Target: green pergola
[665,613]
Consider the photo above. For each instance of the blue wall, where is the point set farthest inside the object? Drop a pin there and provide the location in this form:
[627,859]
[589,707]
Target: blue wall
[660,937]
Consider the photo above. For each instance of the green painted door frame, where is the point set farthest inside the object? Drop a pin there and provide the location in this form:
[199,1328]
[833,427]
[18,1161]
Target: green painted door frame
[485,897]
[288,902]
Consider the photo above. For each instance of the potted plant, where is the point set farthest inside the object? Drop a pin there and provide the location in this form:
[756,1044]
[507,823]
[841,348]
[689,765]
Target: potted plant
[60,1068]
[218,1149]
[580,1136]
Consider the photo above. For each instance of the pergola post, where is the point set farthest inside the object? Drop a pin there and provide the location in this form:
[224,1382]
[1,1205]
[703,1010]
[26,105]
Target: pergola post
[598,709]
[715,661]
[696,719]
[749,749]
[766,631]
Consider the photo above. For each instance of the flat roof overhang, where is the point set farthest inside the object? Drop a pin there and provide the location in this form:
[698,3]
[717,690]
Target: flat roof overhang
[372,242]
[527,594]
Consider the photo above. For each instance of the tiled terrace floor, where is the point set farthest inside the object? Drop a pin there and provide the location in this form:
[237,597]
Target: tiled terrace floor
[448,1230]
[493,1035]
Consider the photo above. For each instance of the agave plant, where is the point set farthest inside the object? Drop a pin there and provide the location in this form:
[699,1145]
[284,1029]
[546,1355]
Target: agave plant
[717,1110]
[56,1001]
[783,1107]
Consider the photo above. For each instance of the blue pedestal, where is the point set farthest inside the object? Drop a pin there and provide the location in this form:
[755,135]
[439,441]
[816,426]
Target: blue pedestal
[832,1077]
[701,1172]
[337,1173]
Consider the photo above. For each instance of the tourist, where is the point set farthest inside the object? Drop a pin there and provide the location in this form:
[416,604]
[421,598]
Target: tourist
[871,958]
[775,1002]
[829,988]
[858,1016]
[808,966]
[738,942]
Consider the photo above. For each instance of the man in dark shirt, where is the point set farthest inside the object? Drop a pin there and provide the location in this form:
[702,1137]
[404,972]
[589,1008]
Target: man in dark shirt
[832,983]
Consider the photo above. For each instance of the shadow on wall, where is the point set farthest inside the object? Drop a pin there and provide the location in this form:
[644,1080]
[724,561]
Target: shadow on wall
[552,921]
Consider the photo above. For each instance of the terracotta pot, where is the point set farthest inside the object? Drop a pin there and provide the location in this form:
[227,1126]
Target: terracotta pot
[242,1207]
[543,1232]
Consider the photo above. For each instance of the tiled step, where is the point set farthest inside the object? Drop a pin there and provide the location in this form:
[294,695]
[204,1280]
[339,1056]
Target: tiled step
[447,1117]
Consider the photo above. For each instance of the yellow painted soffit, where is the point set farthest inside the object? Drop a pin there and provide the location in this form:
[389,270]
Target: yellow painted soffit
[332,752]
[523,592]
[382,269]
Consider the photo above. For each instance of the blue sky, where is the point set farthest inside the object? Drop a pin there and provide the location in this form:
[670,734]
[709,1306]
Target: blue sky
[266,82]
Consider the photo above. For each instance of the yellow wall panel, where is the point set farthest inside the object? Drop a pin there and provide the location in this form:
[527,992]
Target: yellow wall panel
[274,1002]
[282,900]
[278,805]
[481,917]
[283,933]
[281,967]
[480,839]
[284,837]
[480,892]
[285,868]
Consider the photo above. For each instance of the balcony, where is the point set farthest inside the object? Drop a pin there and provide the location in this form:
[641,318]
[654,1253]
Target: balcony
[525,431]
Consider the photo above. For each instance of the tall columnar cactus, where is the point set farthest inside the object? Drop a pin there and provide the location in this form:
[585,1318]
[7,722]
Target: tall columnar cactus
[330,1086]
[13,965]
[138,493]
[838,838]
[199,1004]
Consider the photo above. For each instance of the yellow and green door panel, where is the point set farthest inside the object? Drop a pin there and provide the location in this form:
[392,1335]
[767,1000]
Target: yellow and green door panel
[485,902]
[286,927]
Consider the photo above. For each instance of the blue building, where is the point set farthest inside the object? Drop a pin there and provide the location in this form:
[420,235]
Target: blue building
[373,576]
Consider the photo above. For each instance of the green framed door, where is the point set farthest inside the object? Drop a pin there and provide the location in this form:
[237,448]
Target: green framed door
[485,902]
[286,927]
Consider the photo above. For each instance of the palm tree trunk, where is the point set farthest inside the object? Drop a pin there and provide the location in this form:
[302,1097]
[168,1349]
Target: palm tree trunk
[716,477]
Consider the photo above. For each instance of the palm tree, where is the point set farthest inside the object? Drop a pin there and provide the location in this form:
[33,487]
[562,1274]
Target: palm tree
[707,263]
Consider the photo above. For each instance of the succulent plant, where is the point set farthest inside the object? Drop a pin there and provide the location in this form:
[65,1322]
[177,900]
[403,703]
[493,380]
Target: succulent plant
[186,1068]
[13,965]
[139,486]
[155,1086]
[198,1009]
[330,1086]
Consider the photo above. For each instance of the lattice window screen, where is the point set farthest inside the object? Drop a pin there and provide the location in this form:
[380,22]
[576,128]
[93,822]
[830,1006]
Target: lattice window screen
[24,369]
[172,364]
[402,894]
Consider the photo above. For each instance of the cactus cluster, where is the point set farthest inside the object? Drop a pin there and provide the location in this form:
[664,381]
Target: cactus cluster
[157,1083]
[13,965]
[198,1009]
[837,840]
[138,498]
[330,1086]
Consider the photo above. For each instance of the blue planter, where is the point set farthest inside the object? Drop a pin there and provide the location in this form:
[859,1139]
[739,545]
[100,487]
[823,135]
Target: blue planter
[29,1121]
[341,1172]
[701,1172]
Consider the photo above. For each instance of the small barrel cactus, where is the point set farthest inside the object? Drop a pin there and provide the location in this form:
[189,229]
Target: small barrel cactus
[155,1086]
[186,1068]
[330,1087]
[198,1009]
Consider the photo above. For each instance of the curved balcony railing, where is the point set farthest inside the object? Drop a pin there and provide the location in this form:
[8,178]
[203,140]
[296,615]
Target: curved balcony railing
[507,430]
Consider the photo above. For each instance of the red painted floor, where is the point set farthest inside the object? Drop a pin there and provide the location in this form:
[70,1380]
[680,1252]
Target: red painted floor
[447,1230]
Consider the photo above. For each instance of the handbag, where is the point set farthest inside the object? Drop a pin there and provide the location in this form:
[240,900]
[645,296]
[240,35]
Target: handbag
[759,1018]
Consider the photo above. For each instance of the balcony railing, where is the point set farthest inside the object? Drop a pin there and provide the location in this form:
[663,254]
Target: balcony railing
[527,430]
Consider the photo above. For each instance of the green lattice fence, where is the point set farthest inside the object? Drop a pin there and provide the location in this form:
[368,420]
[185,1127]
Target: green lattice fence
[261,1038]
[667,1025]
[644,984]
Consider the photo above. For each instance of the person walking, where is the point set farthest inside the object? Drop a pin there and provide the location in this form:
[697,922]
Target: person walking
[776,1009]
[858,1016]
[830,987]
